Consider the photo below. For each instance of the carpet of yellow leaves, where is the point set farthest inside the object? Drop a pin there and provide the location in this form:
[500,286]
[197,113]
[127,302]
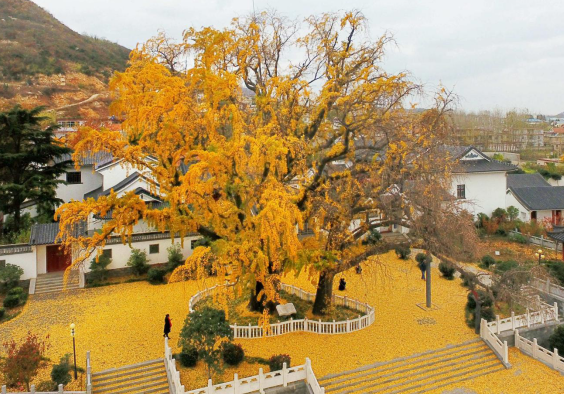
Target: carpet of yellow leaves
[123,324]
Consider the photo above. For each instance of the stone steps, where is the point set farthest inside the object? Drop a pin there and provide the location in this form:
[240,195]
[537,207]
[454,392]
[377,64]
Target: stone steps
[146,377]
[50,283]
[418,373]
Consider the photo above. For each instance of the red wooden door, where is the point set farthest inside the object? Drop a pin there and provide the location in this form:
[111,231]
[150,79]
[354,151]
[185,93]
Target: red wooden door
[57,259]
[557,217]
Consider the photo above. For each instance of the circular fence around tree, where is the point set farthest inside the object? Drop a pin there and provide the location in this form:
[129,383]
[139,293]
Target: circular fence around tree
[307,325]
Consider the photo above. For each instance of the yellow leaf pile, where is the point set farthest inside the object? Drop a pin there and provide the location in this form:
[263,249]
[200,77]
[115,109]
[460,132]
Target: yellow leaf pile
[123,324]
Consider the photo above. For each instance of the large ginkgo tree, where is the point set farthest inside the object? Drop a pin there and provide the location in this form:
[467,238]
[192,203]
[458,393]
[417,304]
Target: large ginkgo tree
[267,127]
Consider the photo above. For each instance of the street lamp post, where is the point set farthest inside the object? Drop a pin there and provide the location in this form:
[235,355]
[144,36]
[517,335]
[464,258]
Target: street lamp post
[539,255]
[73,349]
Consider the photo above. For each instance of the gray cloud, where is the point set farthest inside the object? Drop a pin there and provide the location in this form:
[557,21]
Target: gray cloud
[496,54]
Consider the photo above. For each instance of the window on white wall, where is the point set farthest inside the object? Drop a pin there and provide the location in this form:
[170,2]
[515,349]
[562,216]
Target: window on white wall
[154,249]
[107,253]
[74,177]
[2,263]
[461,191]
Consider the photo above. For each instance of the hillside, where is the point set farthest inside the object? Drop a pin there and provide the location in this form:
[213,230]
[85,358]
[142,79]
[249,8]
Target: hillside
[43,62]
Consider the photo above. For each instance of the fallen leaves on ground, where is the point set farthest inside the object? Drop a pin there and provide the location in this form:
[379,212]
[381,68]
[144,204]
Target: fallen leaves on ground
[122,324]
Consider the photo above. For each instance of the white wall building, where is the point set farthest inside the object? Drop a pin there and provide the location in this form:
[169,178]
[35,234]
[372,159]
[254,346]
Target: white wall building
[479,180]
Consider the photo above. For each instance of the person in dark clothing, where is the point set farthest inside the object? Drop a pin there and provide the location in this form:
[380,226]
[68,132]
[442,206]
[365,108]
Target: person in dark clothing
[342,284]
[358,269]
[167,326]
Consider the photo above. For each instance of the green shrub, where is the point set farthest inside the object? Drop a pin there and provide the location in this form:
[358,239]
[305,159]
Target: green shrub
[403,251]
[423,259]
[488,261]
[519,238]
[138,262]
[156,275]
[10,276]
[373,237]
[19,291]
[276,362]
[232,354]
[556,340]
[60,374]
[175,257]
[504,266]
[11,301]
[189,356]
[447,270]
[556,269]
[99,270]
[500,214]
[2,312]
[486,310]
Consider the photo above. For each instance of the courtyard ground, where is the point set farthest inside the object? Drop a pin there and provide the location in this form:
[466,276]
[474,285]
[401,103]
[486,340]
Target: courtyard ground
[122,324]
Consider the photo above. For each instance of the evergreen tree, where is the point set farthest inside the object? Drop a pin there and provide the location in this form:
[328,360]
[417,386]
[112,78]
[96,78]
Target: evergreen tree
[28,169]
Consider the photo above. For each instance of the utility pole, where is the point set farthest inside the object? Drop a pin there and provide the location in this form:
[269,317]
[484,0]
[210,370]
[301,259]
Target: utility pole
[428,280]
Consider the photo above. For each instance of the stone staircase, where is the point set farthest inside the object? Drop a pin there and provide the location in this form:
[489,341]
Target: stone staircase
[53,282]
[418,373]
[146,377]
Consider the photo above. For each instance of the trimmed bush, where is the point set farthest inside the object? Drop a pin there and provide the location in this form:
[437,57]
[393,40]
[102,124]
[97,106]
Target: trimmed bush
[504,266]
[556,340]
[486,310]
[156,275]
[2,312]
[373,237]
[488,261]
[276,362]
[189,356]
[232,354]
[99,270]
[175,257]
[138,262]
[403,252]
[447,270]
[10,276]
[519,238]
[556,269]
[19,291]
[60,374]
[11,301]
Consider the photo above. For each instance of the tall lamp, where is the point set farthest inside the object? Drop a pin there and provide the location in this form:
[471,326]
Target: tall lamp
[539,255]
[72,326]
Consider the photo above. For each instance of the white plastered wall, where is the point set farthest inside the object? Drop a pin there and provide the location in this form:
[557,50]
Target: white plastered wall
[24,260]
[121,253]
[485,191]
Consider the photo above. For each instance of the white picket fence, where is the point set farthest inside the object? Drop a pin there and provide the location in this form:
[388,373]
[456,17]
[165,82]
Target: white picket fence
[175,387]
[531,348]
[88,374]
[548,287]
[32,388]
[318,327]
[540,241]
[500,348]
[263,381]
[545,315]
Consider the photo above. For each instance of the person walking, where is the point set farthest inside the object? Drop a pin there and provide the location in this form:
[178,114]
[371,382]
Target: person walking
[167,326]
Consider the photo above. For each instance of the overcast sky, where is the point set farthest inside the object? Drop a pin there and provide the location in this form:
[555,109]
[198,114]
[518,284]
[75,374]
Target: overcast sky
[495,53]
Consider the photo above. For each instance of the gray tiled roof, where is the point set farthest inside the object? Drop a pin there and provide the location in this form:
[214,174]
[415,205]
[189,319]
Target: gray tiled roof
[90,159]
[557,236]
[526,180]
[468,166]
[46,234]
[540,198]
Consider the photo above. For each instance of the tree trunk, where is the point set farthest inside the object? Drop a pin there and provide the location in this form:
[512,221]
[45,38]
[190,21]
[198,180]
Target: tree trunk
[324,292]
[17,223]
[255,304]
